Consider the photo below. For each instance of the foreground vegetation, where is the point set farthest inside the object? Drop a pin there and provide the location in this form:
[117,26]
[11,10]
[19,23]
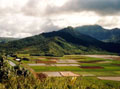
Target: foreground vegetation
[13,79]
[59,83]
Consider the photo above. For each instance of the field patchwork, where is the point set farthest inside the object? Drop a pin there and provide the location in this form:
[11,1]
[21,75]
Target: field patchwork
[98,66]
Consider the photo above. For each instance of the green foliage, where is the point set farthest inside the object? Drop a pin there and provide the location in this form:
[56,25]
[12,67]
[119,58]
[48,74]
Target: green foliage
[60,83]
[58,43]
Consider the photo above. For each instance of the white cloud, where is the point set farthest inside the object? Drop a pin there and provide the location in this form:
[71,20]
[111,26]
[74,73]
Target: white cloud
[22,18]
[109,22]
[76,19]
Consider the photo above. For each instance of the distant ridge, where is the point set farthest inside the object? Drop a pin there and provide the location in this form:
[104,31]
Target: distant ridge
[59,43]
[7,39]
[100,33]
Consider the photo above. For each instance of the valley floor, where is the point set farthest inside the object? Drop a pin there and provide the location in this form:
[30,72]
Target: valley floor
[93,70]
[74,65]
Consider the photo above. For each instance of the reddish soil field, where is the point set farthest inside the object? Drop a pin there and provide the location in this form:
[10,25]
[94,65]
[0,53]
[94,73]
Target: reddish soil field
[41,76]
[91,67]
[91,61]
[117,58]
[116,64]
[46,62]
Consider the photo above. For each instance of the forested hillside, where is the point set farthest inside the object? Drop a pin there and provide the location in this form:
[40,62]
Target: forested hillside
[59,43]
[98,32]
[7,39]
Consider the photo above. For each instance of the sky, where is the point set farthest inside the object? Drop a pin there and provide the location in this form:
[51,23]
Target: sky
[23,18]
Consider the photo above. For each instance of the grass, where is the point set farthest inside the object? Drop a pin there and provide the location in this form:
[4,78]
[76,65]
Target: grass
[80,83]
[23,55]
[28,62]
[72,68]
[96,64]
[99,73]
[61,83]
[54,68]
[82,58]
[106,69]
[113,68]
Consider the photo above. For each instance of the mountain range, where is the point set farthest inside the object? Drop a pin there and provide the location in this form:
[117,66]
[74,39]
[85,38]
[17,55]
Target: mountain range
[100,33]
[63,42]
[7,39]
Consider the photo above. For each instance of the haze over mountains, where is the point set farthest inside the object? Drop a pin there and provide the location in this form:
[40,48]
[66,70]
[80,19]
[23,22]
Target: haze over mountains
[98,32]
[66,41]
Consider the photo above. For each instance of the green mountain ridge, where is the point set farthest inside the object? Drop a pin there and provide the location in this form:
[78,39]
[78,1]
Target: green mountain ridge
[59,43]
[98,32]
[7,39]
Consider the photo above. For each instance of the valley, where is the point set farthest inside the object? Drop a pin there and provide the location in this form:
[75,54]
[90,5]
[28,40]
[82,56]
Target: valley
[72,69]
[68,57]
[81,65]
[59,44]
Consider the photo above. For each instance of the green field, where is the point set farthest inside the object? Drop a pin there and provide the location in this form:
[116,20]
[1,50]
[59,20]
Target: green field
[109,69]
[51,68]
[87,79]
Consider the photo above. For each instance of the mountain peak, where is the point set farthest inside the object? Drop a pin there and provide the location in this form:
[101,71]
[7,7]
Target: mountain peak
[116,29]
[93,26]
[70,28]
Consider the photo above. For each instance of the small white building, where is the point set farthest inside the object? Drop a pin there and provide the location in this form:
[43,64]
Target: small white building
[17,59]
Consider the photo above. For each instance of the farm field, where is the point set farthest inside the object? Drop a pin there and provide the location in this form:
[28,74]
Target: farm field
[77,64]
[94,72]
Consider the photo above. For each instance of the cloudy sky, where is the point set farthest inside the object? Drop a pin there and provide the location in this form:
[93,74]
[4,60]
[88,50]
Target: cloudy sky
[22,18]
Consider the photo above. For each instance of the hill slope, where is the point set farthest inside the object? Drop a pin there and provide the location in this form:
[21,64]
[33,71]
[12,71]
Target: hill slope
[58,43]
[100,33]
[7,39]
